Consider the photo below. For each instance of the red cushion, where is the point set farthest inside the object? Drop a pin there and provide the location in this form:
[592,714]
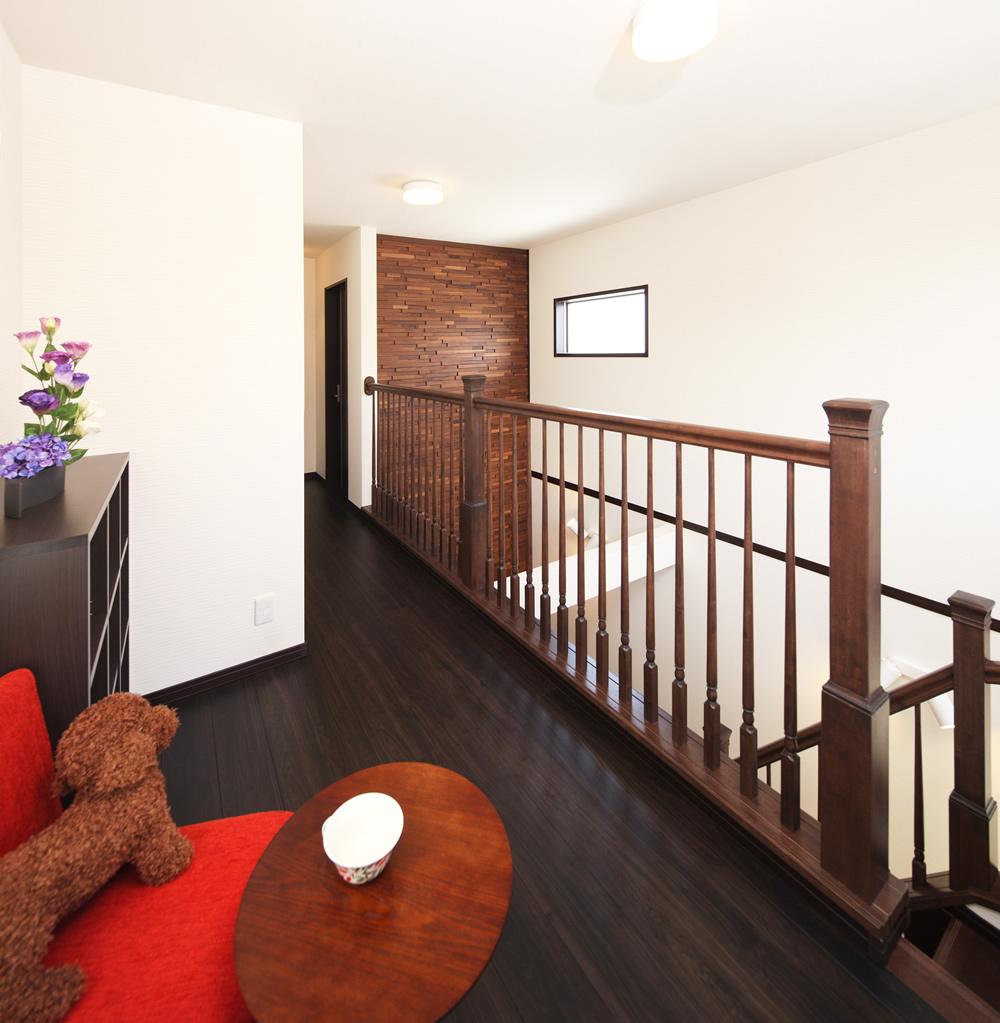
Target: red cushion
[163,954]
[26,801]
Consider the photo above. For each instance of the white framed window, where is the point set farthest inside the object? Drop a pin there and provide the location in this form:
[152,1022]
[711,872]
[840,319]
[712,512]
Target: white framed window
[603,323]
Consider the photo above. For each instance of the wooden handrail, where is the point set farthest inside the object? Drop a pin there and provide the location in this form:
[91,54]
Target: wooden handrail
[425,393]
[806,739]
[922,689]
[918,690]
[763,445]
[993,672]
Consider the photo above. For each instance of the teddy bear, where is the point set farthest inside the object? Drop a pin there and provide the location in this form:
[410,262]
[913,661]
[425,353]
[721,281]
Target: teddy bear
[119,815]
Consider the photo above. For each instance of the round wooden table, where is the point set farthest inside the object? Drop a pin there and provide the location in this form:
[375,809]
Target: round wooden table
[406,946]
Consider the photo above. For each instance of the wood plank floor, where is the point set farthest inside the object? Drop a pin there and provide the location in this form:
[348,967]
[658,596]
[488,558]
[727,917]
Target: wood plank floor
[632,900]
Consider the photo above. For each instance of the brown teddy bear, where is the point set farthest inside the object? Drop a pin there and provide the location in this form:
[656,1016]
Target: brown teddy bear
[108,757]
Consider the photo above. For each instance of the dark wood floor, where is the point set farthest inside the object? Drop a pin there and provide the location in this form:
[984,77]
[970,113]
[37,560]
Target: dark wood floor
[632,900]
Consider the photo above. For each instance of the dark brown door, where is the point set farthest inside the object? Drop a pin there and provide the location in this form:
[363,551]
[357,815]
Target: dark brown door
[335,317]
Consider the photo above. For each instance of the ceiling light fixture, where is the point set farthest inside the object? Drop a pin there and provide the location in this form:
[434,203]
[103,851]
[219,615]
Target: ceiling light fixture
[665,30]
[422,193]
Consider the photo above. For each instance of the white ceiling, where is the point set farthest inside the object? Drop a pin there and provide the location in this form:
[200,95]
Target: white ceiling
[533,113]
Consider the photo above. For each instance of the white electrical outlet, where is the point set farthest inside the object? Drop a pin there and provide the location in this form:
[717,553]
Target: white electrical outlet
[263,609]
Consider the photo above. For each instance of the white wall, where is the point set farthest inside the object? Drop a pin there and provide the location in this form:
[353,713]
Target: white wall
[309,374]
[169,234]
[351,259]
[872,274]
[10,230]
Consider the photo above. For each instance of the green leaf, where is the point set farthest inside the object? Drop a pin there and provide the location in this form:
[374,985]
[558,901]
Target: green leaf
[34,373]
[76,455]
[67,411]
[31,429]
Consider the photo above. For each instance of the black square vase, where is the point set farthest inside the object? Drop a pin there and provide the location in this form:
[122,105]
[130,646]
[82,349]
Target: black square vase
[22,494]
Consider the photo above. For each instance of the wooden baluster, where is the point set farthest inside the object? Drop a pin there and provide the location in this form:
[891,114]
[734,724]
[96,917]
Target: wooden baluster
[404,451]
[424,465]
[624,650]
[678,704]
[515,561]
[918,868]
[562,612]
[529,586]
[581,554]
[386,457]
[442,539]
[369,381]
[712,731]
[461,483]
[502,535]
[650,671]
[790,783]
[432,477]
[545,605]
[854,753]
[972,827]
[473,537]
[393,445]
[414,490]
[489,503]
[748,732]
[451,487]
[410,520]
[397,485]
[602,572]
[377,497]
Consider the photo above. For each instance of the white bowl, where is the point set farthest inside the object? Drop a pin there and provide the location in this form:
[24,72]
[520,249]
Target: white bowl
[359,836]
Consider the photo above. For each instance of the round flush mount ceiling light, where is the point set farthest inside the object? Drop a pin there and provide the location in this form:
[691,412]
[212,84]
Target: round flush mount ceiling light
[665,30]
[422,193]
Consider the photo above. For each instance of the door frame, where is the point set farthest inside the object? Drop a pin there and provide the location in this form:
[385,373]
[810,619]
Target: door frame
[341,482]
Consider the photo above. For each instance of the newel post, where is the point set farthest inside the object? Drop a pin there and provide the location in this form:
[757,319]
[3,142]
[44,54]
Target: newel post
[972,832]
[854,753]
[472,561]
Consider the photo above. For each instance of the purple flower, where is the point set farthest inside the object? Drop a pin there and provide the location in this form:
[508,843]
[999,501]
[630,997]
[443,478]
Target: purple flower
[66,377]
[28,457]
[28,340]
[50,324]
[58,358]
[76,349]
[40,402]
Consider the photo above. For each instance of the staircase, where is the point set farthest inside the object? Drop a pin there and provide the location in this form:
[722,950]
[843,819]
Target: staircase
[951,958]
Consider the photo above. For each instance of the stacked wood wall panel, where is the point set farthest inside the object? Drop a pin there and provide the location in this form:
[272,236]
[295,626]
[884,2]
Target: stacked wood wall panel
[447,309]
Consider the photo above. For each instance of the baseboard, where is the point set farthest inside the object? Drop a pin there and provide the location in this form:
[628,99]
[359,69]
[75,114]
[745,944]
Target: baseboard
[226,676]
[313,476]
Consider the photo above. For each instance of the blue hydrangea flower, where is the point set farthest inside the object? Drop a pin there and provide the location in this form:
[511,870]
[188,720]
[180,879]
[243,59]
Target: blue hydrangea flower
[22,459]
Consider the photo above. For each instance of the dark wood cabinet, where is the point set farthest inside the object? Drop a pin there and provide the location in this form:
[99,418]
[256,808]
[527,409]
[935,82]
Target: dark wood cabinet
[64,590]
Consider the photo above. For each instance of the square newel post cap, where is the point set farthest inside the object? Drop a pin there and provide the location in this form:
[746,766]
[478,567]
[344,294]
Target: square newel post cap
[970,609]
[369,385]
[474,382]
[855,417]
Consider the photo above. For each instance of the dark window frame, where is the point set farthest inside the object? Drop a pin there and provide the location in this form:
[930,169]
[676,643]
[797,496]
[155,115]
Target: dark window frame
[559,305]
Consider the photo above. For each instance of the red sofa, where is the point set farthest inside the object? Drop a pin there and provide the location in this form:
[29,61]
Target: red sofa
[151,954]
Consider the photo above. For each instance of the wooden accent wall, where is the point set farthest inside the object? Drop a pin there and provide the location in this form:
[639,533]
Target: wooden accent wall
[446,309]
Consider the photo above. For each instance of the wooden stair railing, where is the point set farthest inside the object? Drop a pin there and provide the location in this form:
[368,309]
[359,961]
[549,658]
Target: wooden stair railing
[972,827]
[415,485]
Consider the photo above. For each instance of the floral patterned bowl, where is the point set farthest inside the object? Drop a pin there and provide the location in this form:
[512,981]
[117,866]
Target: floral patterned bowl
[359,836]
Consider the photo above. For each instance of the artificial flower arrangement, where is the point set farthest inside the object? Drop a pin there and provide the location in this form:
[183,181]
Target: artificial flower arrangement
[59,406]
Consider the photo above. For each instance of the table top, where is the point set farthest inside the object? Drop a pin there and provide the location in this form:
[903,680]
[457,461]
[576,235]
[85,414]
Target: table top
[406,946]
